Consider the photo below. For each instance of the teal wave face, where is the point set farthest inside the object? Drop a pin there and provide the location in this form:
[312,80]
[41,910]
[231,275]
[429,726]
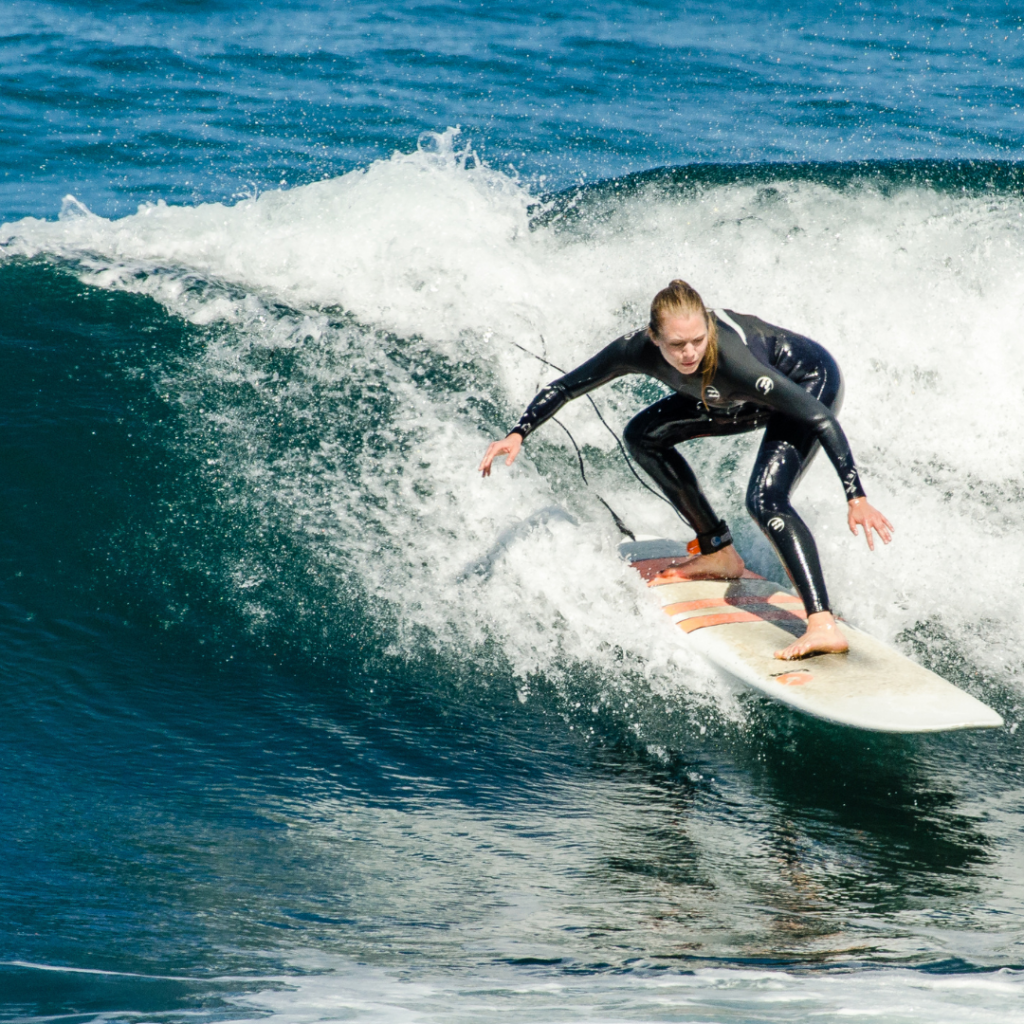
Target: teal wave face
[998,178]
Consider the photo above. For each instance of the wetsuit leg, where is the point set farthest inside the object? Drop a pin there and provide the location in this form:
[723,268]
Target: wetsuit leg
[786,451]
[651,437]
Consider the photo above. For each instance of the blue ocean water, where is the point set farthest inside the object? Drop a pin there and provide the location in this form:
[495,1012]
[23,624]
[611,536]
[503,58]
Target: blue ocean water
[302,719]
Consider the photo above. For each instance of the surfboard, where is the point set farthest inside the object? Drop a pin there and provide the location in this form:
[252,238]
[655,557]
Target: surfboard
[737,625]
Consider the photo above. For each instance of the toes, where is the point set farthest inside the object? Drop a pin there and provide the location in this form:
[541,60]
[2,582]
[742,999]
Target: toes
[803,647]
[790,653]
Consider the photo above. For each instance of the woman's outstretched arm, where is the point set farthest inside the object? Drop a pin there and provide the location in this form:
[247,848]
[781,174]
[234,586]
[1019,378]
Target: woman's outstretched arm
[612,361]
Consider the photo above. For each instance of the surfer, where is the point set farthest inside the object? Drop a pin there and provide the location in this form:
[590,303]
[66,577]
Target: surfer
[730,373]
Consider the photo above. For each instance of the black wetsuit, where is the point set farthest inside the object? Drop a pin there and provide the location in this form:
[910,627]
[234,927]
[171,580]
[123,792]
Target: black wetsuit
[766,377]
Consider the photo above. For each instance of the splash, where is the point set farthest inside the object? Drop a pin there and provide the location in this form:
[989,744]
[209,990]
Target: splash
[361,349]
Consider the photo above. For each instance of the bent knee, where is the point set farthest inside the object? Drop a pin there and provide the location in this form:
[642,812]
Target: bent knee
[771,516]
[636,435]
[757,507]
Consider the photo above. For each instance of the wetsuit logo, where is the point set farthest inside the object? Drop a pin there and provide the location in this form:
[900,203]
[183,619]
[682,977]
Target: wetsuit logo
[712,394]
[764,384]
[776,523]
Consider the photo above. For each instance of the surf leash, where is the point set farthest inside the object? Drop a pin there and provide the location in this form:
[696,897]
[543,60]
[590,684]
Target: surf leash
[623,529]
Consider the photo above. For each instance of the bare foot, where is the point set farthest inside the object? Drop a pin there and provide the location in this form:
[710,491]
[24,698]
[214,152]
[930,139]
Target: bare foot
[722,565]
[823,636]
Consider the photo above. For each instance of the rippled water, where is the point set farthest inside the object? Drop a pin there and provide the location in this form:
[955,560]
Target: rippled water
[190,101]
[303,719]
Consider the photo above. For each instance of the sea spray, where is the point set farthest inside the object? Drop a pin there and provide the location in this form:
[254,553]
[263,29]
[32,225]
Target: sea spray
[377,315]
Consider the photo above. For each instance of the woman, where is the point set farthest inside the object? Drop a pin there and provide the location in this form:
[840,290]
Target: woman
[731,373]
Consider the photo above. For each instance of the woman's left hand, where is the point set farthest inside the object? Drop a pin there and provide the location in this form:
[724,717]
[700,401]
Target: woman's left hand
[862,513]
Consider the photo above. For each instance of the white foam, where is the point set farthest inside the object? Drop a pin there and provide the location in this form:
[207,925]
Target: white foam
[917,293]
[375,996]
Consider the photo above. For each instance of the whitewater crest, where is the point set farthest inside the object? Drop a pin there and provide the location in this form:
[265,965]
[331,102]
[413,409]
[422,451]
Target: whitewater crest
[403,294]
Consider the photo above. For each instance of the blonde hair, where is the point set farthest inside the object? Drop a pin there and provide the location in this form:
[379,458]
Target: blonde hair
[679,299]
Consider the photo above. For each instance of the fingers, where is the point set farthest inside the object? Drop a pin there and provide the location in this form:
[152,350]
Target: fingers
[863,514]
[489,456]
[495,449]
[882,527]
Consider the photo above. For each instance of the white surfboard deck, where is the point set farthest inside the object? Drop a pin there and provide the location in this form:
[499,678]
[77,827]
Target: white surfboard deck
[737,625]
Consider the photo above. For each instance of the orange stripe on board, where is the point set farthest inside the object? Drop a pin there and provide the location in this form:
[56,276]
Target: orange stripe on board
[794,678]
[724,618]
[740,601]
[651,568]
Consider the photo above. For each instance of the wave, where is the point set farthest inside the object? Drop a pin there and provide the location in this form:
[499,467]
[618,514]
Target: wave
[530,990]
[706,994]
[356,342]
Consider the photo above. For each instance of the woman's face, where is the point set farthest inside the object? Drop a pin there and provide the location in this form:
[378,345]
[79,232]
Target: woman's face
[683,341]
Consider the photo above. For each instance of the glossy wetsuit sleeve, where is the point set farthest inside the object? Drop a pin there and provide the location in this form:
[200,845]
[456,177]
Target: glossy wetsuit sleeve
[767,387]
[611,362]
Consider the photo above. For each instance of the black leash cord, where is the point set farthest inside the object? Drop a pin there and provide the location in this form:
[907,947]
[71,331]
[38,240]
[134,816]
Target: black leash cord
[579,454]
[623,528]
[622,448]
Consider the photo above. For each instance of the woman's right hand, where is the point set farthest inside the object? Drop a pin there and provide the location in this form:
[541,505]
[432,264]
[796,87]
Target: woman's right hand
[863,513]
[510,445]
